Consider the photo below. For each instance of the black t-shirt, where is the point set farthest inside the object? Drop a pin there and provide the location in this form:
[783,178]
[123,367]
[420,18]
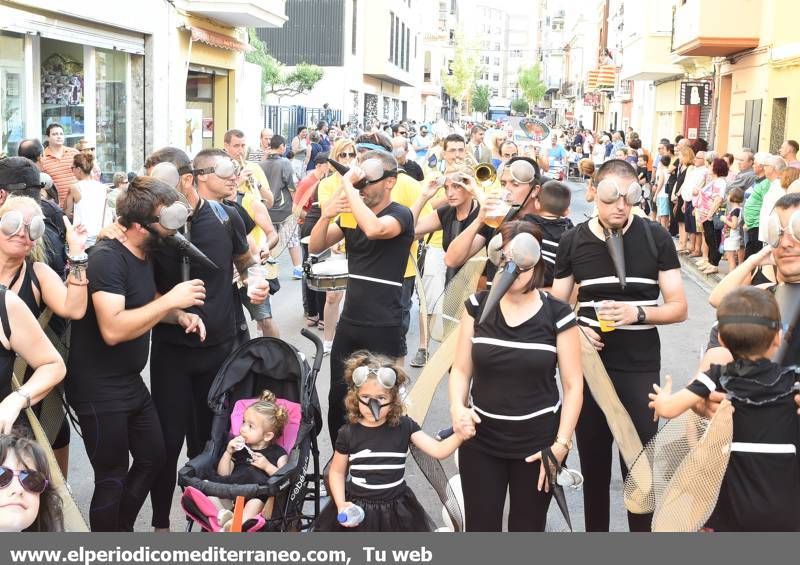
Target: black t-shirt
[101,377]
[414,171]
[376,268]
[247,220]
[452,226]
[552,231]
[584,256]
[221,243]
[370,451]
[246,474]
[514,388]
[761,488]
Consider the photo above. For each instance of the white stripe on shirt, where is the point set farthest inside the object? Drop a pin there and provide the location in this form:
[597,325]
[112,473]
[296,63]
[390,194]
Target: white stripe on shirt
[373,279]
[608,280]
[763,447]
[706,381]
[566,319]
[548,410]
[513,344]
[364,484]
[369,453]
[473,300]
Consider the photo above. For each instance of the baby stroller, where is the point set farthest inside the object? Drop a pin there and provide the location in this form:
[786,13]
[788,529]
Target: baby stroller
[262,363]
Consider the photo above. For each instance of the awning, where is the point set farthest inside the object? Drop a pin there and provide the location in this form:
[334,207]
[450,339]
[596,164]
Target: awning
[216,39]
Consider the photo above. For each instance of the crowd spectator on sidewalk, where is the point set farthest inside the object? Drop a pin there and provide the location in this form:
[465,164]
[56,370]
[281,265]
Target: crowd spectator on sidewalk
[752,205]
[476,148]
[57,162]
[709,204]
[90,150]
[90,198]
[746,176]
[258,154]
[421,143]
[788,152]
[774,167]
[300,153]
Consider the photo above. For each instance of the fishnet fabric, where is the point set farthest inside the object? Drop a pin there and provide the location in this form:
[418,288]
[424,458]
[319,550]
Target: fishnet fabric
[679,473]
[449,306]
[437,477]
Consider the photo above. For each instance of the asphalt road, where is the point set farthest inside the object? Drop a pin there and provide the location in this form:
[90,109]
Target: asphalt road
[681,346]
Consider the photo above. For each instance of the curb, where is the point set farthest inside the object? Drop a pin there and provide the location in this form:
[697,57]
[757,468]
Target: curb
[706,282]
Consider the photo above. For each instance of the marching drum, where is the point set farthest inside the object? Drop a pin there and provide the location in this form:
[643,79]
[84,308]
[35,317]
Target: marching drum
[328,275]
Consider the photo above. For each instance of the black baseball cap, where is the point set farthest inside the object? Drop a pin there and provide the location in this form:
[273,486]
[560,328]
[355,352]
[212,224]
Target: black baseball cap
[19,173]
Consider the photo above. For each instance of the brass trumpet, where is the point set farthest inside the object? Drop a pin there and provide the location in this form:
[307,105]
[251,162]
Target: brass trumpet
[253,186]
[485,174]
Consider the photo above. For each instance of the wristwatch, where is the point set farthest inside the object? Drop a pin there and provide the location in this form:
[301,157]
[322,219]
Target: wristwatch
[641,316]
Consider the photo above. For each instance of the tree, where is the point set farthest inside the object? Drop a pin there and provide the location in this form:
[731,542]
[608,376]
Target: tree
[459,78]
[480,98]
[531,85]
[275,79]
[520,106]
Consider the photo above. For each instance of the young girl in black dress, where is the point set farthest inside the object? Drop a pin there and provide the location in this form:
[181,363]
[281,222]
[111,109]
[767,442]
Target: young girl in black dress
[373,447]
[761,485]
[252,457]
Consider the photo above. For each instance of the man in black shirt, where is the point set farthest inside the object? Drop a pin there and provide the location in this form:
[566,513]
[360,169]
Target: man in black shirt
[400,152]
[632,351]
[377,251]
[109,350]
[182,367]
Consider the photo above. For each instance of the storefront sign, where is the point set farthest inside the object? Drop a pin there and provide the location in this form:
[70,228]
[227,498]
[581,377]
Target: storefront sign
[695,93]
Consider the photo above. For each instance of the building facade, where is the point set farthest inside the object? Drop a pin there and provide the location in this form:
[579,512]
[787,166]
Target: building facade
[126,77]
[371,52]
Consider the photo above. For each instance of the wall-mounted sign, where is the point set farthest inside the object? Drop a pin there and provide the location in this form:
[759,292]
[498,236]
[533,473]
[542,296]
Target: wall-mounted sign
[695,93]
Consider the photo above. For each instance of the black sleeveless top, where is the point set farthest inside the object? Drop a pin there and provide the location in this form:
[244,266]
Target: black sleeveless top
[7,356]
[25,291]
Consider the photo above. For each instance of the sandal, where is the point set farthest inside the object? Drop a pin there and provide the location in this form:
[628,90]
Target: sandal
[312,321]
[321,325]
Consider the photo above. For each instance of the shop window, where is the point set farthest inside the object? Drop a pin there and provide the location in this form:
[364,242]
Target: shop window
[752,124]
[62,88]
[12,95]
[111,69]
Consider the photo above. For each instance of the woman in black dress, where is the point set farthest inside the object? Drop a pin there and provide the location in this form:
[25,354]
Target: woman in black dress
[503,390]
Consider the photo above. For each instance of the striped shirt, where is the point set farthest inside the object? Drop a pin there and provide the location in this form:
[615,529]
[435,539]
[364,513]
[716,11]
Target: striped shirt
[60,169]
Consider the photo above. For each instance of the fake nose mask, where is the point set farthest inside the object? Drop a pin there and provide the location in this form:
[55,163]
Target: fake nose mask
[523,254]
[374,407]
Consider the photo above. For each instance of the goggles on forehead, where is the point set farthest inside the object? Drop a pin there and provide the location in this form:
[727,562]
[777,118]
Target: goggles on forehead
[172,217]
[608,191]
[13,223]
[31,480]
[373,173]
[775,229]
[385,376]
[224,169]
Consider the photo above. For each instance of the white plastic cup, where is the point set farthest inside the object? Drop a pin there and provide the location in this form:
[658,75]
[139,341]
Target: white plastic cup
[256,280]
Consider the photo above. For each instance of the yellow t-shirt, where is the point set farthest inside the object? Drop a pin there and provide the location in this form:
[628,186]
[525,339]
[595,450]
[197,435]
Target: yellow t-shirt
[259,237]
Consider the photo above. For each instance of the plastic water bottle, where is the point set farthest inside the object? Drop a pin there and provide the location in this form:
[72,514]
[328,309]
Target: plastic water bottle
[351,516]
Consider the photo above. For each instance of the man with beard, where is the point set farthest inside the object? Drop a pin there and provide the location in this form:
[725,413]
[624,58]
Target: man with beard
[109,350]
[183,367]
[377,249]
[631,353]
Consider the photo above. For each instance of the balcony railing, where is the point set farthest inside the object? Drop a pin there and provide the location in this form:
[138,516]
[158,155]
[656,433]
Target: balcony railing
[715,28]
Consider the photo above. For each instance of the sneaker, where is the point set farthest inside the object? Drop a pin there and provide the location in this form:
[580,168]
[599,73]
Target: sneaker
[326,347]
[297,273]
[420,358]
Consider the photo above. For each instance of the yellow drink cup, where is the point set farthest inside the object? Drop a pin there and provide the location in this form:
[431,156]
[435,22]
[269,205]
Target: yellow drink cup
[606,325]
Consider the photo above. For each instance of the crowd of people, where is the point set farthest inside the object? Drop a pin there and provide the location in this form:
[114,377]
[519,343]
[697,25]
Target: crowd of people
[111,269]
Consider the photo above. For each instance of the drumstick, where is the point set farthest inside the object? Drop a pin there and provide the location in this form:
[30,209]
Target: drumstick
[422,392]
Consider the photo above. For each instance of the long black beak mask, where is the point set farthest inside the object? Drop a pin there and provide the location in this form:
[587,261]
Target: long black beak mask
[524,252]
[788,298]
[187,248]
[374,407]
[617,251]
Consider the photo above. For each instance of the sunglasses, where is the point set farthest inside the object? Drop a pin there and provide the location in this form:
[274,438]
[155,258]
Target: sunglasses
[608,191]
[32,481]
[344,155]
[775,230]
[13,222]
[386,376]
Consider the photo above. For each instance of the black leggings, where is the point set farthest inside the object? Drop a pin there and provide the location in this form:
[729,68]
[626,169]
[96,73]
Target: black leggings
[594,445]
[119,491]
[485,479]
[181,379]
[349,339]
[712,237]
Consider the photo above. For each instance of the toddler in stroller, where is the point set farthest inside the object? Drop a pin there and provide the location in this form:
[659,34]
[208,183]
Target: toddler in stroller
[253,457]
[282,481]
